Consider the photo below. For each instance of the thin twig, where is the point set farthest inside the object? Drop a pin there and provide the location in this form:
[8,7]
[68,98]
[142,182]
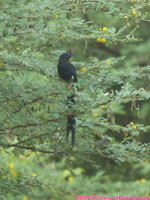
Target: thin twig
[34,124]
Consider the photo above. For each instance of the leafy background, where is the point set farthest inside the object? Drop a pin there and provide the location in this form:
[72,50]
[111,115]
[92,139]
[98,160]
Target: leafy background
[110,44]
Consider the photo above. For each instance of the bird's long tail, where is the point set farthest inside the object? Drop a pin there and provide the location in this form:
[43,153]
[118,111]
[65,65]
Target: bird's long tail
[71,128]
[71,122]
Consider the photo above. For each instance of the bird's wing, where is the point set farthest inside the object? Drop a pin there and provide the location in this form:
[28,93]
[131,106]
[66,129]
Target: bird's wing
[73,72]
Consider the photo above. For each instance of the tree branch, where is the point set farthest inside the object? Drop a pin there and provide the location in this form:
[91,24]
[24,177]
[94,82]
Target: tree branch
[34,124]
[34,149]
[27,103]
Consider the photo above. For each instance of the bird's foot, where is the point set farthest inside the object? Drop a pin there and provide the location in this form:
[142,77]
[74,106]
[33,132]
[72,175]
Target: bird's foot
[69,86]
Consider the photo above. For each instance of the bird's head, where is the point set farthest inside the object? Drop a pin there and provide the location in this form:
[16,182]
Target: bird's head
[64,58]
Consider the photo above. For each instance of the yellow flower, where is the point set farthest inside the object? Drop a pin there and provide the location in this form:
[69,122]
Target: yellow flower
[104,28]
[103,40]
[33,174]
[63,36]
[11,165]
[128,25]
[70,178]
[134,12]
[103,106]
[56,16]
[99,39]
[134,127]
[47,9]
[83,69]
[125,17]
[143,180]
[1,64]
[24,197]
[137,181]
[107,62]
[13,173]
[95,114]
[107,32]
[131,123]
[126,134]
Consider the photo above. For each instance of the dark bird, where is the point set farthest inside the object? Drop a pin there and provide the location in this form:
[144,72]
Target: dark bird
[68,72]
[65,69]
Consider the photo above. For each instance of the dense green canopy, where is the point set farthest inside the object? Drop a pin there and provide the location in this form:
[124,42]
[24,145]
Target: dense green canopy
[110,44]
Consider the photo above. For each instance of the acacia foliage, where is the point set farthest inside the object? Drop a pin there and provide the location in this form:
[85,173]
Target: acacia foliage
[33,101]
